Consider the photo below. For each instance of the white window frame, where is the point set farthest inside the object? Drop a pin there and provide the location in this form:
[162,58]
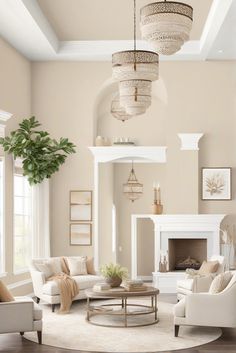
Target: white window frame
[2,223]
[25,269]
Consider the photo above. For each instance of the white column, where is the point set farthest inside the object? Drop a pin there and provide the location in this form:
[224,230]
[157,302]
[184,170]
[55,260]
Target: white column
[134,261]
[96,215]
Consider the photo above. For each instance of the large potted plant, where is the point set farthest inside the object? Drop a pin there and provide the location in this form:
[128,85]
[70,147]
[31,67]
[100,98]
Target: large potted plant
[114,274]
[41,155]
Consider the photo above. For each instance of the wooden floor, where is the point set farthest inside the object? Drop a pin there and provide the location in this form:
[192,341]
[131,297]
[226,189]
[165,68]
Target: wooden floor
[15,343]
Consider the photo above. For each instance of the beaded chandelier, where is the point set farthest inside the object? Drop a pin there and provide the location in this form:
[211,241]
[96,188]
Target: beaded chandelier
[135,70]
[166,25]
[133,190]
[118,111]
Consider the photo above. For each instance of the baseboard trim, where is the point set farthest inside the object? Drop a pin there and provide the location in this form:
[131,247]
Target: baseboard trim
[19,284]
[145,278]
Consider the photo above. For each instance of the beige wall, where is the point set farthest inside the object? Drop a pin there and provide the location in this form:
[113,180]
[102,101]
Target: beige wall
[63,99]
[201,98]
[146,174]
[15,98]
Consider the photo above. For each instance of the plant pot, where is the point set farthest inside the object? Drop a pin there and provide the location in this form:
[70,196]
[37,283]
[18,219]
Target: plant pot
[114,281]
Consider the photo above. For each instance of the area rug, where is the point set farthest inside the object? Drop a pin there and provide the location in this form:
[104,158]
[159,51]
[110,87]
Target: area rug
[72,331]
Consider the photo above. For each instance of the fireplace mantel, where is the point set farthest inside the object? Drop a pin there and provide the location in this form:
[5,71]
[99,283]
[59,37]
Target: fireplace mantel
[175,226]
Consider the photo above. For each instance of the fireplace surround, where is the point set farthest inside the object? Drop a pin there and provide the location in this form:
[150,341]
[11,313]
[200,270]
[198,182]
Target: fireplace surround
[203,227]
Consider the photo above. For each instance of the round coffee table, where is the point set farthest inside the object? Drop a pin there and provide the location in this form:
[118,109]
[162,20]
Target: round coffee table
[122,308]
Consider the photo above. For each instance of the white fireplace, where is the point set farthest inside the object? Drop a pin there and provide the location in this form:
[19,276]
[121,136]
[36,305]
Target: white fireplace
[205,227]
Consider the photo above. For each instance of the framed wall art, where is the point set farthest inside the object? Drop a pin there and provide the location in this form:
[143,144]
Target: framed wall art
[216,183]
[81,206]
[81,234]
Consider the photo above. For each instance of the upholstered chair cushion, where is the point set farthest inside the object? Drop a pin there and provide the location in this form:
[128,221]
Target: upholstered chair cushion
[5,295]
[208,267]
[220,282]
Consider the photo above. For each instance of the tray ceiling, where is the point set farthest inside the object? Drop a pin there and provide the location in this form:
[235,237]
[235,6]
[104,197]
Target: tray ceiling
[91,30]
[107,19]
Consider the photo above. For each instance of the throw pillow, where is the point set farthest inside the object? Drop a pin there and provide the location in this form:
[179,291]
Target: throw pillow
[90,266]
[46,268]
[220,282]
[77,265]
[5,295]
[55,263]
[208,267]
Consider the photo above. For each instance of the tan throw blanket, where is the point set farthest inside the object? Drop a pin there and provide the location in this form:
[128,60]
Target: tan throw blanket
[67,285]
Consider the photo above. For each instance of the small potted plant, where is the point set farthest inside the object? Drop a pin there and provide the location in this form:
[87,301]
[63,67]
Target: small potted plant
[114,274]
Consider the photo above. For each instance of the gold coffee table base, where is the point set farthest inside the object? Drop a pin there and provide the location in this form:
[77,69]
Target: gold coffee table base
[103,309]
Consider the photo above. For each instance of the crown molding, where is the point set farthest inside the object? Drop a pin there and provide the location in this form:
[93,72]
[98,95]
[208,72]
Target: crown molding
[4,116]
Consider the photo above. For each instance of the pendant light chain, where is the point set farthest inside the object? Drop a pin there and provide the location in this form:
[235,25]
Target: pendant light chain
[135,48]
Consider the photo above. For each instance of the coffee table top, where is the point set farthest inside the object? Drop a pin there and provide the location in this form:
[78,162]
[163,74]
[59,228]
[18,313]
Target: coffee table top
[121,292]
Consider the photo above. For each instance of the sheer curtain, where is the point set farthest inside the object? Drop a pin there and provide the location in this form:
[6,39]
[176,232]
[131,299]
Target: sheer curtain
[40,220]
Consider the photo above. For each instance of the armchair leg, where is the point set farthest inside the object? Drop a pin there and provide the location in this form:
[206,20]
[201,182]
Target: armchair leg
[176,330]
[37,300]
[53,307]
[21,333]
[39,333]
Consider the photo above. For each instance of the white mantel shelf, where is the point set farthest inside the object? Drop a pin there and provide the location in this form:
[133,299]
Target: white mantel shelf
[187,219]
[122,154]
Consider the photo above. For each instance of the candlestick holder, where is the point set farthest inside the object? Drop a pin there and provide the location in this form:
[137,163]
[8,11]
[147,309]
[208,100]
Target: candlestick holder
[157,207]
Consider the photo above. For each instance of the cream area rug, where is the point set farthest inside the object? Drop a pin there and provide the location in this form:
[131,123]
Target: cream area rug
[72,331]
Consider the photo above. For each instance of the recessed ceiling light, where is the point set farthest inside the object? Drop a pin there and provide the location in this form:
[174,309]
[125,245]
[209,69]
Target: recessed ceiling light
[220,51]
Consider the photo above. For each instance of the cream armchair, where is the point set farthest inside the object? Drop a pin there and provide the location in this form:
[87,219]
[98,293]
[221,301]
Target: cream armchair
[205,309]
[21,315]
[198,284]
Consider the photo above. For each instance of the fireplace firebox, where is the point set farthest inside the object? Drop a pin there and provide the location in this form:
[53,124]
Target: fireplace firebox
[186,253]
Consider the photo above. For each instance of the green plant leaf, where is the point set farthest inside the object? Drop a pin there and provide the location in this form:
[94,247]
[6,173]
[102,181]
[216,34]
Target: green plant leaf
[42,156]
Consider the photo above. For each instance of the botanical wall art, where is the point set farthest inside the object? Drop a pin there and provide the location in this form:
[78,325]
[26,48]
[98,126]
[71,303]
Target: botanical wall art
[81,206]
[81,234]
[216,184]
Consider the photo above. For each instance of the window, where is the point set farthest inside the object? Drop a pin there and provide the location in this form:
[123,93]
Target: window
[1,217]
[22,221]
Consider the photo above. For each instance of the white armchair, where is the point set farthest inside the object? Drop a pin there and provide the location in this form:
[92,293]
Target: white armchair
[21,315]
[205,309]
[198,284]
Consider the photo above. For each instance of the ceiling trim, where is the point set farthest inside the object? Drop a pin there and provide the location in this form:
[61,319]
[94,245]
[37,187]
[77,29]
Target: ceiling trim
[23,25]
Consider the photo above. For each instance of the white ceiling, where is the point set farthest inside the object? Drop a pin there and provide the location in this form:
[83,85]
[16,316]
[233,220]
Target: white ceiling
[91,30]
[106,19]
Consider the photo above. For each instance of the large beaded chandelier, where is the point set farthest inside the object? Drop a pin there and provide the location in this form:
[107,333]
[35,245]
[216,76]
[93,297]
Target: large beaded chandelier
[133,189]
[135,70]
[166,25]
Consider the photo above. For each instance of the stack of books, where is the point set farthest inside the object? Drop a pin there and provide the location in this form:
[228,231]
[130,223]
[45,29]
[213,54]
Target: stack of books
[135,285]
[99,287]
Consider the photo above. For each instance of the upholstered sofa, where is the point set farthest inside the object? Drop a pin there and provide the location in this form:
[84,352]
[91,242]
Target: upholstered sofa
[206,309]
[49,292]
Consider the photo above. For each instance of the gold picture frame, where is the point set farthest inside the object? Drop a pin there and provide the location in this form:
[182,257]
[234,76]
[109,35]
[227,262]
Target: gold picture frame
[81,205]
[81,234]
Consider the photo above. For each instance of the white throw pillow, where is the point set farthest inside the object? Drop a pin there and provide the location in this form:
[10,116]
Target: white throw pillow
[46,268]
[220,282]
[77,265]
[55,263]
